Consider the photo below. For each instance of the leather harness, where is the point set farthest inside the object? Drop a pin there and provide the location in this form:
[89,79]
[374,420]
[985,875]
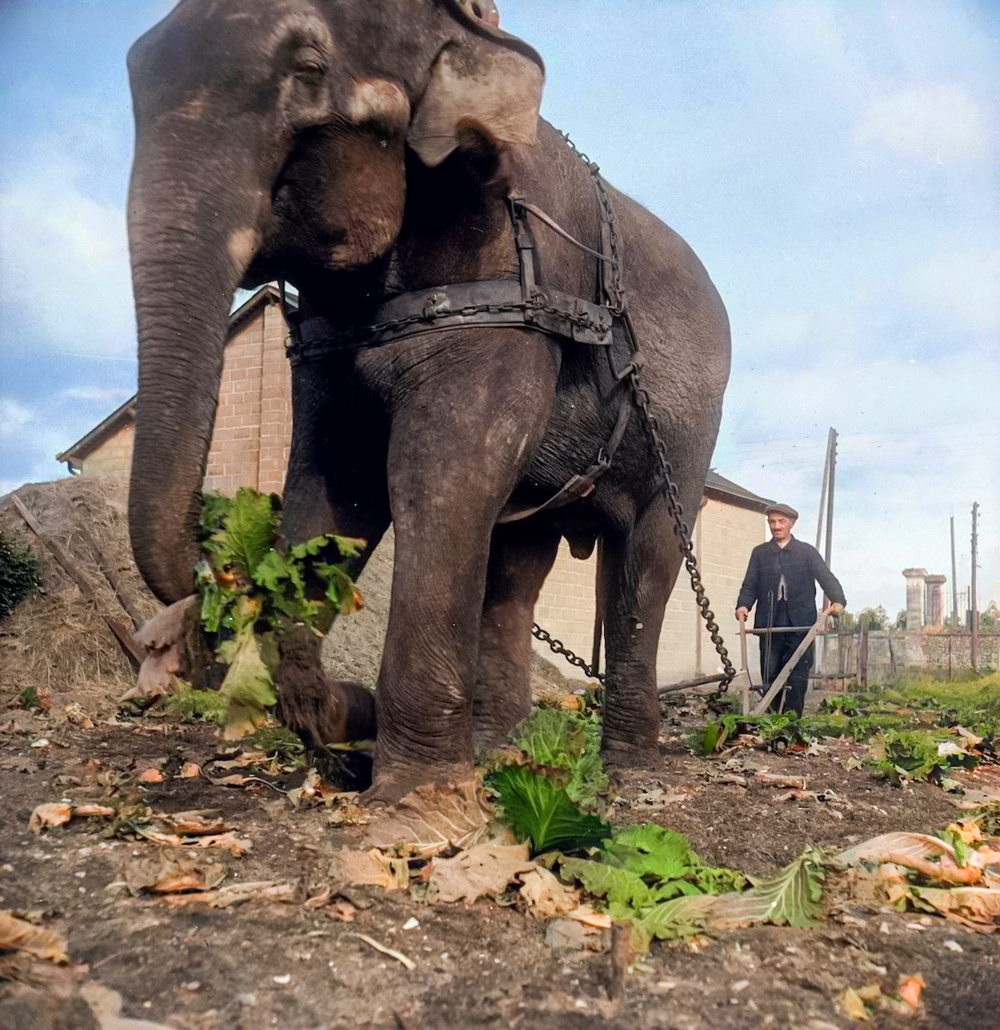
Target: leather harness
[501,303]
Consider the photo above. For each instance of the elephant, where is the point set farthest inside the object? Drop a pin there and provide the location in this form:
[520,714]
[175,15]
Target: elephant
[365,152]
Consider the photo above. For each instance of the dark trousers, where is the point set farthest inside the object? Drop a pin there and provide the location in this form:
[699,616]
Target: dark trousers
[773,658]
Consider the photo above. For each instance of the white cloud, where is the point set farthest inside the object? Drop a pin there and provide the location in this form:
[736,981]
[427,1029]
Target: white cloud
[93,393]
[962,287]
[65,261]
[14,416]
[937,122]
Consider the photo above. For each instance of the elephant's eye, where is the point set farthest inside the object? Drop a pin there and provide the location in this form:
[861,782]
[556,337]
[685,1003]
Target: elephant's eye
[310,71]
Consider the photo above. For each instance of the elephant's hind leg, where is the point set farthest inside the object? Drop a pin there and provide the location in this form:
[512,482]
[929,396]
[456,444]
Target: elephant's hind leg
[637,574]
[521,555]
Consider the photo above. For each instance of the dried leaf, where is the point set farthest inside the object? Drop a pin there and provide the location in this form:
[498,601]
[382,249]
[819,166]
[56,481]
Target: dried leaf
[318,900]
[151,775]
[369,868]
[101,810]
[236,894]
[852,1006]
[190,771]
[162,873]
[545,895]
[342,910]
[484,870]
[910,989]
[975,907]
[17,935]
[432,818]
[53,814]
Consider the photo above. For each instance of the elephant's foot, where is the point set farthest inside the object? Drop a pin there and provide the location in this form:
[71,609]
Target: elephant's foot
[629,754]
[319,709]
[391,784]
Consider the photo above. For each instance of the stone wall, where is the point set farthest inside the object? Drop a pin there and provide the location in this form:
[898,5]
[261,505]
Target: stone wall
[894,653]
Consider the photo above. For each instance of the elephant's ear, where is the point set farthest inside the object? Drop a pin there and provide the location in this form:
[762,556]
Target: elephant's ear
[493,91]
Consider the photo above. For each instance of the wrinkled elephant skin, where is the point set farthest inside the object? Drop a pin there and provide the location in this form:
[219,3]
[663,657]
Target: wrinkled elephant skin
[364,150]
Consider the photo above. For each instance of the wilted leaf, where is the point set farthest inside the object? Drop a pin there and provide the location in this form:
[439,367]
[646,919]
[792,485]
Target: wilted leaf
[363,868]
[622,888]
[545,895]
[54,814]
[150,775]
[484,870]
[161,873]
[975,907]
[792,896]
[342,910]
[430,818]
[17,935]
[852,1005]
[910,990]
[236,894]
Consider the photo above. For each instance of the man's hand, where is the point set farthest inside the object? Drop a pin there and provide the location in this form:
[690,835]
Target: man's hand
[742,614]
[836,609]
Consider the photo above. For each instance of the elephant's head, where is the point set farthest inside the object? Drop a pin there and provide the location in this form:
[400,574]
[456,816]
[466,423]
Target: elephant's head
[271,140]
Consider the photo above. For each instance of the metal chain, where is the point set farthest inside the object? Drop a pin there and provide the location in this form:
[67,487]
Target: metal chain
[616,304]
[559,648]
[300,352]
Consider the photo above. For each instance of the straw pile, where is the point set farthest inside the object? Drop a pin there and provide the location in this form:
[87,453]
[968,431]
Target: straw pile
[59,641]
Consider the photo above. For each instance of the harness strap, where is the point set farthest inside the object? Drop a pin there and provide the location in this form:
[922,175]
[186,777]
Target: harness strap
[582,485]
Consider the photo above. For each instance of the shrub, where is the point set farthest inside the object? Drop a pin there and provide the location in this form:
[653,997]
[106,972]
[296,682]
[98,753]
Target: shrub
[20,575]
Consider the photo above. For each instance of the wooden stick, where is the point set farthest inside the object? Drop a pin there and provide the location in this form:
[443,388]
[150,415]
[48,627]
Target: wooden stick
[782,678]
[745,664]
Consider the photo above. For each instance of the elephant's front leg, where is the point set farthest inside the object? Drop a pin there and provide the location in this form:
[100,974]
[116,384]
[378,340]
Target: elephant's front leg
[456,451]
[521,556]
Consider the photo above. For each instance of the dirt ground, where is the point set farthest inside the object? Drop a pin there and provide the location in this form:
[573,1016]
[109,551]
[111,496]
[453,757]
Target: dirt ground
[264,964]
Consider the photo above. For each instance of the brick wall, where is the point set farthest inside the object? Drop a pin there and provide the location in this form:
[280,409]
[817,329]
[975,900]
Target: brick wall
[253,420]
[724,536]
[113,457]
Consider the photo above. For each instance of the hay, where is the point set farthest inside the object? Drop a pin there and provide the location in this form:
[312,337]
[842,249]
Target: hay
[58,641]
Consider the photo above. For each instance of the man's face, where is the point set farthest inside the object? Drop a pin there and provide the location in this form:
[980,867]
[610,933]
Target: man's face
[780,526]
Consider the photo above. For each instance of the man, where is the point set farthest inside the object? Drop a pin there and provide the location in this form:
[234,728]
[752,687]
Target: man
[781,579]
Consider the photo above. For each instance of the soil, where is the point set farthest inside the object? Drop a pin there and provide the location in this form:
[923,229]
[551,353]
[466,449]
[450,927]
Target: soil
[479,965]
[264,964]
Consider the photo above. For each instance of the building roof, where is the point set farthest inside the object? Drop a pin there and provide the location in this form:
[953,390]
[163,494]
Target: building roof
[727,490]
[75,454]
[715,485]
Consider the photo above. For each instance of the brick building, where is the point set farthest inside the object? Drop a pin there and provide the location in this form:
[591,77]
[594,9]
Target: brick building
[253,422]
[250,448]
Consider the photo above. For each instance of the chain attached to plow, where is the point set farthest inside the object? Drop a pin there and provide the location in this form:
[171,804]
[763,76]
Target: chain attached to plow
[614,291]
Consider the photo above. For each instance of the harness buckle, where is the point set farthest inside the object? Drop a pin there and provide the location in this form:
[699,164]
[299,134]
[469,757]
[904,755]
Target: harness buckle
[435,305]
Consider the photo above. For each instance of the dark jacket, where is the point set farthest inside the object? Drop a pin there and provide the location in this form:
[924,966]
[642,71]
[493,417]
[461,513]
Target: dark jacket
[801,565]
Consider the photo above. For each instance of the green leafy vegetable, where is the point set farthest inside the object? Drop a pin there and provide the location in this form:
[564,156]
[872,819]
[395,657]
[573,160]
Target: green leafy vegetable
[252,591]
[557,740]
[544,812]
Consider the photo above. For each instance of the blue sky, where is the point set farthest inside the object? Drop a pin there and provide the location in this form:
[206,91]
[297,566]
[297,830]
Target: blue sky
[834,164]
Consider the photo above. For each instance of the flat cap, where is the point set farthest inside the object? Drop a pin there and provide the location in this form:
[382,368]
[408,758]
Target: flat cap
[782,509]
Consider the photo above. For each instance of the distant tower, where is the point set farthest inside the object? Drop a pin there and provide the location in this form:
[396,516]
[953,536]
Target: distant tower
[914,597]
[934,600]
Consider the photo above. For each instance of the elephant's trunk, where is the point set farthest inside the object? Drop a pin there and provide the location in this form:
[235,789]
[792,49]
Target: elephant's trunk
[188,254]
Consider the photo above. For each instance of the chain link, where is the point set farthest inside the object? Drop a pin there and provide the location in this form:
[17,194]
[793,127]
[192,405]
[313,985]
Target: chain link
[616,303]
[559,648]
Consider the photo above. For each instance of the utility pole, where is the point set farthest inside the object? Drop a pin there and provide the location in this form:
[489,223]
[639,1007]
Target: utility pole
[826,501]
[822,496]
[954,578]
[829,495]
[974,588]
